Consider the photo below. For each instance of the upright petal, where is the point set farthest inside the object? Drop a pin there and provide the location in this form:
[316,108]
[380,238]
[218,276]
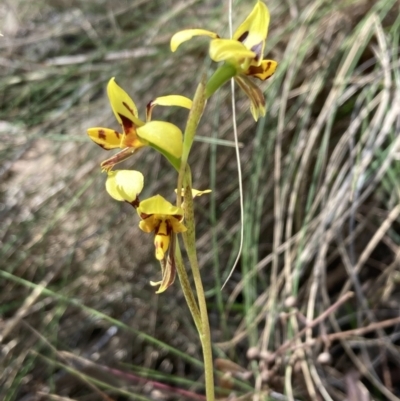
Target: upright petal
[187,34]
[254,29]
[122,105]
[124,185]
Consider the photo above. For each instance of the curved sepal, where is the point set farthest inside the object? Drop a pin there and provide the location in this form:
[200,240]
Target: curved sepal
[187,34]
[170,100]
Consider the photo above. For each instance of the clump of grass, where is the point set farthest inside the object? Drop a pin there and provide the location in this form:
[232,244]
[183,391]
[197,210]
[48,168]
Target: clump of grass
[321,207]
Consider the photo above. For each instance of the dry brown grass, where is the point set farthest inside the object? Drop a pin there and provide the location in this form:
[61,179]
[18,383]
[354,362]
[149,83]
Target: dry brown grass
[321,212]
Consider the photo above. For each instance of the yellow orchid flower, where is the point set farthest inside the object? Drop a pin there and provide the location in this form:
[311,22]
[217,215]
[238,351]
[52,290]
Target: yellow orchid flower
[163,136]
[165,220]
[125,185]
[244,52]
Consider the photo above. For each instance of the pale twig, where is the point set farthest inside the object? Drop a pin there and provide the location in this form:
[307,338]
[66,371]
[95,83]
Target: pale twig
[239,165]
[340,335]
[307,367]
[28,303]
[385,226]
[360,365]
[315,322]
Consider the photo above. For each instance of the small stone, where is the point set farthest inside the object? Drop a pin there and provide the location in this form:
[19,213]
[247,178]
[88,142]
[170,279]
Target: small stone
[297,366]
[253,353]
[267,356]
[290,302]
[324,358]
[157,395]
[265,376]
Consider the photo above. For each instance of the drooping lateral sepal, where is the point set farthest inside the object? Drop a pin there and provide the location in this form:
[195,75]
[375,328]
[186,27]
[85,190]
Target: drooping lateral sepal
[168,268]
[257,100]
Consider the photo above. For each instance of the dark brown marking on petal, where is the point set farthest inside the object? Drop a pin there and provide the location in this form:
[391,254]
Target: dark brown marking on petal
[162,234]
[101,134]
[163,229]
[257,49]
[126,122]
[117,134]
[253,70]
[179,217]
[149,109]
[145,216]
[243,36]
[127,107]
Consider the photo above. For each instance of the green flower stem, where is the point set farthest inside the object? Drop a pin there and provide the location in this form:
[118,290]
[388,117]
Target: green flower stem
[187,289]
[189,238]
[199,103]
[220,76]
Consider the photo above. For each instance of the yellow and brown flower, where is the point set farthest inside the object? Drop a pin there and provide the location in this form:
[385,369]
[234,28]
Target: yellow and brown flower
[244,52]
[161,135]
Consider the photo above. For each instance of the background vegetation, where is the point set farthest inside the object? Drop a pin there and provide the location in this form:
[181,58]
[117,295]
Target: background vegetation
[312,310]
